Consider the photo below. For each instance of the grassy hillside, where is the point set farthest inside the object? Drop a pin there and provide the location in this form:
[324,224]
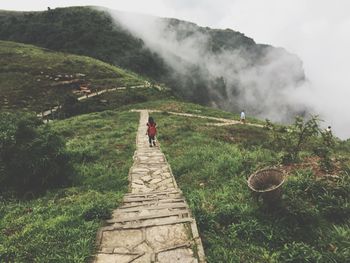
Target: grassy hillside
[61,226]
[35,78]
[212,164]
[83,31]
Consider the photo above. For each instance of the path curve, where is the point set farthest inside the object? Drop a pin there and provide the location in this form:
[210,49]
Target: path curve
[221,121]
[87,96]
[153,223]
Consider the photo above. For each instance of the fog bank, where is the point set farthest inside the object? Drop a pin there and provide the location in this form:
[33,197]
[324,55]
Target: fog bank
[258,79]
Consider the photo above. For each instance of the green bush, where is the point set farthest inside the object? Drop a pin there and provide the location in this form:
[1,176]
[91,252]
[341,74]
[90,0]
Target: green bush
[293,139]
[325,150]
[33,157]
[97,211]
[297,252]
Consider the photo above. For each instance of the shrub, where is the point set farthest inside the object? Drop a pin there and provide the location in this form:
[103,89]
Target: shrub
[299,252]
[97,211]
[227,215]
[324,151]
[33,158]
[250,230]
[70,106]
[338,247]
[292,140]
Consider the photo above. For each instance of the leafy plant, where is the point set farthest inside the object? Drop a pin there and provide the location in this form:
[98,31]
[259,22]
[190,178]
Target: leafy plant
[292,139]
[297,252]
[325,150]
[97,211]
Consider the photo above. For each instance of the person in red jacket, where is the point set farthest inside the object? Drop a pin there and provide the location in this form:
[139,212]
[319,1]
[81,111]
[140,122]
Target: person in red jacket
[151,131]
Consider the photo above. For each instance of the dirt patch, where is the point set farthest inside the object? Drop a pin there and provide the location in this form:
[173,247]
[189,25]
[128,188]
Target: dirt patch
[312,163]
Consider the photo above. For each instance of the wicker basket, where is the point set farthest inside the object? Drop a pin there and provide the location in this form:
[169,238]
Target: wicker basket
[267,183]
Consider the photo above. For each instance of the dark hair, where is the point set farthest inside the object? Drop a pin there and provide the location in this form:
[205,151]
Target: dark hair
[150,120]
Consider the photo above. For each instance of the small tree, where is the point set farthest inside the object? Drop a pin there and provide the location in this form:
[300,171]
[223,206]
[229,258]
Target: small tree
[292,139]
[324,151]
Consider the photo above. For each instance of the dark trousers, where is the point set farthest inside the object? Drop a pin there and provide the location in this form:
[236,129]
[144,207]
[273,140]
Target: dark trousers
[150,139]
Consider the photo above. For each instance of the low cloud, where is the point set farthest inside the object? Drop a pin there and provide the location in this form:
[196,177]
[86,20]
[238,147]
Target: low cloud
[258,83]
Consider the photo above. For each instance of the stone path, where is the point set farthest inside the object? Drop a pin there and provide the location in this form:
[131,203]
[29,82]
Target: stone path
[221,121]
[154,223]
[91,95]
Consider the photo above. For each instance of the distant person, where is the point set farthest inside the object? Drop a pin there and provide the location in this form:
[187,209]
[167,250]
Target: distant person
[151,131]
[242,117]
[328,137]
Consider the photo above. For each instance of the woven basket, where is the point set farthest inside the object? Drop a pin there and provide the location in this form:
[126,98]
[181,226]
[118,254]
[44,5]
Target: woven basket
[268,184]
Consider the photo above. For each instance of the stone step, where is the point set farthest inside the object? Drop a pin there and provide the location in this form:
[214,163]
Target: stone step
[148,190]
[103,257]
[153,197]
[156,198]
[154,193]
[145,166]
[145,224]
[150,151]
[151,200]
[152,203]
[137,208]
[119,250]
[151,163]
[125,218]
[149,154]
[159,157]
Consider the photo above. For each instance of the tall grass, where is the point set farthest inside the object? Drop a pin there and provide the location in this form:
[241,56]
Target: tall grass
[211,166]
[61,225]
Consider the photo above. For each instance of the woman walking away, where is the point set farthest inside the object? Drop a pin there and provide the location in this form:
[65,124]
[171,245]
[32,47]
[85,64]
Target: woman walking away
[151,131]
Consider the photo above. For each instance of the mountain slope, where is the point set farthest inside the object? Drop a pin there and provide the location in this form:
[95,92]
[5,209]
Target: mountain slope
[35,78]
[221,68]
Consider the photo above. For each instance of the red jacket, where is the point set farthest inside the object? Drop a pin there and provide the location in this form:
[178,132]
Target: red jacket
[152,129]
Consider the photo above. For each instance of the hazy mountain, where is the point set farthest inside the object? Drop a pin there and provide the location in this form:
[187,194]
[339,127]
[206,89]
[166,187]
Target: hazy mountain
[221,68]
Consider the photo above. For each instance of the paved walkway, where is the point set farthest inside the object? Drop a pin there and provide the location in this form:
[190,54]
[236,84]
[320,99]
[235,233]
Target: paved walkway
[87,96]
[154,223]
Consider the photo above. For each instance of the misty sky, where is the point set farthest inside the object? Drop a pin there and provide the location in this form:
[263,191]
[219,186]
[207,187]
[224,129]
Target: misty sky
[318,31]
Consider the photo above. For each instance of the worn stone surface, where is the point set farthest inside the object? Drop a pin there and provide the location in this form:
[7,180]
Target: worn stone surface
[180,255]
[154,223]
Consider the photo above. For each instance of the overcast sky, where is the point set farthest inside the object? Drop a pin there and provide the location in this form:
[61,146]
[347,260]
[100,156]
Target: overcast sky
[318,31]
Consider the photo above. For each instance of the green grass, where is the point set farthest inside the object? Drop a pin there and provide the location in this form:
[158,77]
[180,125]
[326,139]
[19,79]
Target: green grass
[28,74]
[211,166]
[61,226]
